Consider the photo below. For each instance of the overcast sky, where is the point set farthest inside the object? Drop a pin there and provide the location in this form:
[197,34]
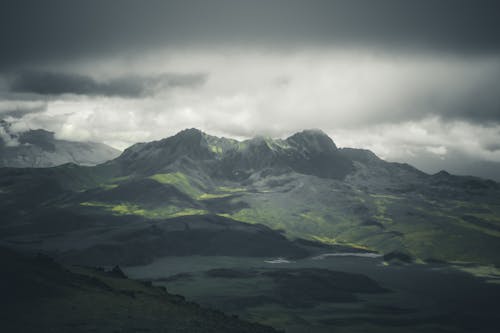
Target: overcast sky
[414,81]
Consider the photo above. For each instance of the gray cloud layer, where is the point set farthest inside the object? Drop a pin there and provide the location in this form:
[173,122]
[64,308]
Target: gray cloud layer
[18,109]
[411,80]
[45,31]
[53,83]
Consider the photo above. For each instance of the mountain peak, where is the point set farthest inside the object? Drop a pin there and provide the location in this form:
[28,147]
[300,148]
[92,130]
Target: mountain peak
[308,152]
[442,173]
[189,132]
[313,140]
[312,132]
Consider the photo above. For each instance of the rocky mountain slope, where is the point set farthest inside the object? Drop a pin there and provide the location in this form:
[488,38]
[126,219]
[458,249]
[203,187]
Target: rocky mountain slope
[39,149]
[303,187]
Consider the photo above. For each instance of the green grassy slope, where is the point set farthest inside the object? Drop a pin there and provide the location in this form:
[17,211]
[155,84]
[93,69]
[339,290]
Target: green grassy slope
[288,185]
[419,223]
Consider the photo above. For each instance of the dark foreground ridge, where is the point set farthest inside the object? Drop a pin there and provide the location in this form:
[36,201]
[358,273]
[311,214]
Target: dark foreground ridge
[39,295]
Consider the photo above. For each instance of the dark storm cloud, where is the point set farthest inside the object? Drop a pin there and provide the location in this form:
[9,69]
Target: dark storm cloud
[402,77]
[477,102]
[492,147]
[55,30]
[480,105]
[50,83]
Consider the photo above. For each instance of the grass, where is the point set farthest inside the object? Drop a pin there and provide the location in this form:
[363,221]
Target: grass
[183,183]
[409,224]
[179,180]
[490,273]
[231,189]
[386,196]
[313,217]
[208,196]
[108,187]
[299,222]
[273,217]
[189,211]
[157,213]
[119,179]
[335,241]
[484,230]
[381,202]
[465,224]
[490,217]
[418,225]
[215,149]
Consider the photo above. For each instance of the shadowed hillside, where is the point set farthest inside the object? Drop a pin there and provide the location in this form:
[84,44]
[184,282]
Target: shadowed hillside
[39,295]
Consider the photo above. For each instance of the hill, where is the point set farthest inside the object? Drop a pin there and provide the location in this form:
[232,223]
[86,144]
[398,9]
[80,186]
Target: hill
[40,295]
[302,187]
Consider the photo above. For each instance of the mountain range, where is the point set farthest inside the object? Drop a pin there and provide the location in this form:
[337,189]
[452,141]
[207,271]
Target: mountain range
[193,193]
[39,149]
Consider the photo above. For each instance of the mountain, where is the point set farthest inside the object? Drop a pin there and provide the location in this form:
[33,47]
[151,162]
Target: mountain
[39,295]
[194,193]
[456,162]
[39,149]
[310,152]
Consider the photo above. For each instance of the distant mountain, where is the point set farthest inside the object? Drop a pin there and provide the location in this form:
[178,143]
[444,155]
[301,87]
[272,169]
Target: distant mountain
[38,148]
[457,163]
[194,193]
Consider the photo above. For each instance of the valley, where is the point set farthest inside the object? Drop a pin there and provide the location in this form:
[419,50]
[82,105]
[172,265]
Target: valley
[352,293]
[272,166]
[296,234]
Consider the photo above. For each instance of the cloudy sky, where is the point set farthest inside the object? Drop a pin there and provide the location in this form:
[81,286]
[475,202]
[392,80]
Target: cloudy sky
[414,81]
